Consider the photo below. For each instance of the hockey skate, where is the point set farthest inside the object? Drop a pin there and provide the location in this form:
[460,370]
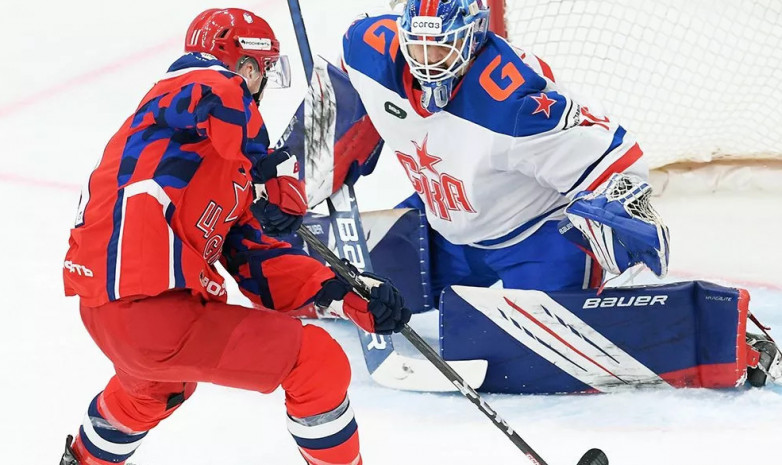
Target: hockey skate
[769,365]
[68,458]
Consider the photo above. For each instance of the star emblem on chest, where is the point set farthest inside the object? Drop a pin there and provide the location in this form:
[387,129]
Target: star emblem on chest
[239,192]
[426,159]
[544,104]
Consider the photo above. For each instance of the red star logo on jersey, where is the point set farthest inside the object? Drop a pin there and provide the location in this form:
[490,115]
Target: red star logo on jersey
[425,158]
[544,104]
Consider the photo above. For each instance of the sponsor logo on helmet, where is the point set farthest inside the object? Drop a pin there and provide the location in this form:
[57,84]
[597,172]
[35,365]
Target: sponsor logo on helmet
[248,17]
[253,43]
[426,25]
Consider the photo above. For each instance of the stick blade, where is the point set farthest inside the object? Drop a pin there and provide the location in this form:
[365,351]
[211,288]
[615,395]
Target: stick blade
[594,457]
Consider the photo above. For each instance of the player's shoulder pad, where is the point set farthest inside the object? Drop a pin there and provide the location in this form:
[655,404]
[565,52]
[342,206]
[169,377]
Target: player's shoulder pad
[371,46]
[208,81]
[201,66]
[504,94]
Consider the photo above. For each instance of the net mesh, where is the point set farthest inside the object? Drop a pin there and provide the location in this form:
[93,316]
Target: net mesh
[633,193]
[695,80]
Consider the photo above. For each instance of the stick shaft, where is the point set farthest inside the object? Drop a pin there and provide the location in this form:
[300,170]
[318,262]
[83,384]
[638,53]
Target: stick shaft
[362,289]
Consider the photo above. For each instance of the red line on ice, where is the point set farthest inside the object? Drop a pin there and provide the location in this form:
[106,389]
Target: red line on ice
[86,77]
[10,178]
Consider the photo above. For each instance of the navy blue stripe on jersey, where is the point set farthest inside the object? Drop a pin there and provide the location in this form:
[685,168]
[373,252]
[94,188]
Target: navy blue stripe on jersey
[176,167]
[521,229]
[127,166]
[239,254]
[134,146]
[151,105]
[229,115]
[256,283]
[179,276]
[212,104]
[170,212]
[112,251]
[257,147]
[260,143]
[186,137]
[177,114]
[619,136]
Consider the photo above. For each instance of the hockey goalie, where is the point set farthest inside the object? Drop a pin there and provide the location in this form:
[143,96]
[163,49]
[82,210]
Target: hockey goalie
[519,182]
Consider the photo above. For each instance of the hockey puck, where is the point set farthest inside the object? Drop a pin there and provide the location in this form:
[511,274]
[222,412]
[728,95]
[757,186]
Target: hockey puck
[594,457]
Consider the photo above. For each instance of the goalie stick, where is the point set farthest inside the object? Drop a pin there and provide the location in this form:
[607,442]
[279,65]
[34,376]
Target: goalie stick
[385,365]
[591,457]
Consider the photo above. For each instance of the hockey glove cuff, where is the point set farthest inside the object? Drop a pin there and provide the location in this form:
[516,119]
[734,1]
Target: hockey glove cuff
[281,198]
[620,225]
[383,313]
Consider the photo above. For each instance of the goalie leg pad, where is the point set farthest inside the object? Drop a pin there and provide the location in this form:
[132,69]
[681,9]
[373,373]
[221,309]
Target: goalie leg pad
[676,335]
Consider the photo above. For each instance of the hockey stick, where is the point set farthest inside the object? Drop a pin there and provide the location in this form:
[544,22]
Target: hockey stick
[301,37]
[591,457]
[386,366]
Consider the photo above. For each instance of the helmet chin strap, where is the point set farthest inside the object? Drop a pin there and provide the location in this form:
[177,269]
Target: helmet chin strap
[436,95]
[257,95]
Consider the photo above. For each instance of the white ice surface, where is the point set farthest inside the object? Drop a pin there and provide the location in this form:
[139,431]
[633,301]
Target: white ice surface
[73,71]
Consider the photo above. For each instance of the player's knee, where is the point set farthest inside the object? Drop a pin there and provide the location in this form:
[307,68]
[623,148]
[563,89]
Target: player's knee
[141,406]
[319,380]
[173,401]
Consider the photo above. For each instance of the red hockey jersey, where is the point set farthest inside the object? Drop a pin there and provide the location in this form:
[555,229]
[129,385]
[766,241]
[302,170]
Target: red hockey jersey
[171,195]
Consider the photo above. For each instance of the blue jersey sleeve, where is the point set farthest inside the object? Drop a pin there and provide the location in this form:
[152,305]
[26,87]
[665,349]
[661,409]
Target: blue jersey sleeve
[268,271]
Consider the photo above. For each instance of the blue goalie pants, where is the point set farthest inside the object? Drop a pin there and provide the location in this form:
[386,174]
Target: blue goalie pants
[544,261]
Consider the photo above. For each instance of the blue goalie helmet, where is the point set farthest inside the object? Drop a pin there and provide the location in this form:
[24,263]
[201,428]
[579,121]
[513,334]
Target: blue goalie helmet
[438,38]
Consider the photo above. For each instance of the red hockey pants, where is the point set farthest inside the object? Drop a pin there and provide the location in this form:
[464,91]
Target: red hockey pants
[162,346]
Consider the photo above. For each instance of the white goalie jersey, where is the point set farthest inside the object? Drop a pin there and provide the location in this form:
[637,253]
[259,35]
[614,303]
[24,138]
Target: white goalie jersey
[507,153]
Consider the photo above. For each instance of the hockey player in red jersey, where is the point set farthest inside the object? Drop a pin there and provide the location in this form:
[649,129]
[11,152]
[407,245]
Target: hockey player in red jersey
[170,198]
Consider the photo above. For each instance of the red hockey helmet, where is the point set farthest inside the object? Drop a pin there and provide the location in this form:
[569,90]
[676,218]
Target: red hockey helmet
[232,34]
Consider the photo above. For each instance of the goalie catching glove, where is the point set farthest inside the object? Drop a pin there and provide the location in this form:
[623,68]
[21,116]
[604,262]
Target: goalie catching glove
[281,201]
[619,225]
[383,313]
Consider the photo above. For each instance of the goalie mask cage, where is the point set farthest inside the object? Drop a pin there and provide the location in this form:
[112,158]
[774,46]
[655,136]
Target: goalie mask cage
[699,82]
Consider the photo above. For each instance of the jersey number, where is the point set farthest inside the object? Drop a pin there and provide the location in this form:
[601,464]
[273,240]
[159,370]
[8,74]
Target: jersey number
[206,224]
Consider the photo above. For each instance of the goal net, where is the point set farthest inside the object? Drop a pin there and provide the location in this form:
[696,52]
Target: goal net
[699,82]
